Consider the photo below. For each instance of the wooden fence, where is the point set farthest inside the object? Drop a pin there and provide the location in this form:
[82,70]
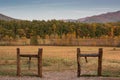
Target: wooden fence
[99,55]
[38,56]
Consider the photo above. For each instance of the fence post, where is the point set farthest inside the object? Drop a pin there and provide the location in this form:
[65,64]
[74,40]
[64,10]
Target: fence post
[18,62]
[100,54]
[78,62]
[29,63]
[40,62]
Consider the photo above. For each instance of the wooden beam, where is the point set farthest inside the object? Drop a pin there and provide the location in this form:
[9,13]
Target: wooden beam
[29,55]
[18,63]
[78,63]
[100,61]
[40,62]
[89,55]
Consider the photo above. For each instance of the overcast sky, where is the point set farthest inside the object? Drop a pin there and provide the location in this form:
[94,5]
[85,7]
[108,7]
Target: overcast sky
[56,9]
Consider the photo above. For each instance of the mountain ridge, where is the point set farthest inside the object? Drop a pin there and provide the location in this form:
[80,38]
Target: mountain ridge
[6,18]
[102,18]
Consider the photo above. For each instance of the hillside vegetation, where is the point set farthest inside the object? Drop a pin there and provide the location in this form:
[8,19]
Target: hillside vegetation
[54,29]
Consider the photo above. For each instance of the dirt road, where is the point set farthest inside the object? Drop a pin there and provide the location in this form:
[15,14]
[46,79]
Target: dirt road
[65,75]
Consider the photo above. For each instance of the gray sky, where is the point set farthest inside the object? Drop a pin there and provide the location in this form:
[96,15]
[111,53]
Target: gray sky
[56,9]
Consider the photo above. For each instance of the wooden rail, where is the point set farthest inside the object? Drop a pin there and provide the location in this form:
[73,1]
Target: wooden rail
[38,56]
[29,55]
[89,55]
[99,55]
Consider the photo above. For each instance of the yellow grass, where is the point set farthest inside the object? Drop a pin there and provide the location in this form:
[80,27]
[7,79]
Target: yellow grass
[59,57]
[58,51]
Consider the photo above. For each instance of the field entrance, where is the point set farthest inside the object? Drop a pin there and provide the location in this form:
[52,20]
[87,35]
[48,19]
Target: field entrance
[60,58]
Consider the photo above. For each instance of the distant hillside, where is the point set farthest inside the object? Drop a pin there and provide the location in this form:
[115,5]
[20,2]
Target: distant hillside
[3,17]
[103,18]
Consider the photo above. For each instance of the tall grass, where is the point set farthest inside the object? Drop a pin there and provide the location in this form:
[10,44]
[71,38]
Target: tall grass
[57,58]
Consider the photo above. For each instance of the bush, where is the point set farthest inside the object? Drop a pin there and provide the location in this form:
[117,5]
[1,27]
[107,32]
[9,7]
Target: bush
[33,40]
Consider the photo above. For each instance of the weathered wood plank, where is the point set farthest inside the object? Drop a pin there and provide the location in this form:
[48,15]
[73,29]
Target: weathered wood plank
[29,55]
[89,55]
[78,63]
[100,62]
[40,62]
[18,63]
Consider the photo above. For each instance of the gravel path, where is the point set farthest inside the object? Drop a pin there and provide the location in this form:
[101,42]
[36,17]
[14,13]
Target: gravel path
[66,75]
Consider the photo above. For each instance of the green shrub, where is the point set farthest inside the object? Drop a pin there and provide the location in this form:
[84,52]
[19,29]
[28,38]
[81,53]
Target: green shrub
[33,40]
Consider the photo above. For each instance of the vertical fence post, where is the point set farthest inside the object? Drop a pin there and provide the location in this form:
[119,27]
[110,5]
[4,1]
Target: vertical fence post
[29,63]
[78,63]
[40,62]
[18,62]
[100,54]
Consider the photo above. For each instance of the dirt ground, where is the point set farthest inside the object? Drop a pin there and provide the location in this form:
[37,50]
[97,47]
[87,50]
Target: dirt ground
[64,75]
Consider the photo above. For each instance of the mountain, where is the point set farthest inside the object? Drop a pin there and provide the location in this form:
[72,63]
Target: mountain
[3,17]
[103,18]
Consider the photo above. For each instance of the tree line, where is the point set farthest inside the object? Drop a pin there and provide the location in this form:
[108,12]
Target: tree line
[56,29]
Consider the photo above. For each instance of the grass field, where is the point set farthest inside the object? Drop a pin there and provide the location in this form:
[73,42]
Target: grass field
[59,58]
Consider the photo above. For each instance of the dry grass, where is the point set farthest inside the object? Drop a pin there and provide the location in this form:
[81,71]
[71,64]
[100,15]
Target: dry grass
[57,58]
